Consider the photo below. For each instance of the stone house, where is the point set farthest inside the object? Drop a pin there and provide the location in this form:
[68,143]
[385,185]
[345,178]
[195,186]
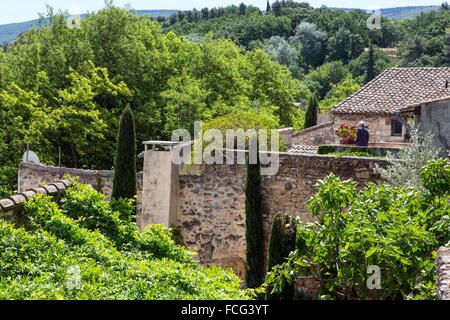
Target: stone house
[389,105]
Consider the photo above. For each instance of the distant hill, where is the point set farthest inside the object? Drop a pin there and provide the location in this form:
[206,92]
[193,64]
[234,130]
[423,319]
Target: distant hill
[402,12]
[9,32]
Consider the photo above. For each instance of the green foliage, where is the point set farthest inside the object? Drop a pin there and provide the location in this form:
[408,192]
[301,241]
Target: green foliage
[338,93]
[320,80]
[405,168]
[323,149]
[124,182]
[61,259]
[66,88]
[397,229]
[370,74]
[5,192]
[254,227]
[358,67]
[281,243]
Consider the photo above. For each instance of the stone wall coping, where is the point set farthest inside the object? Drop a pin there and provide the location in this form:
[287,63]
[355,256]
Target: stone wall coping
[17,200]
[311,129]
[70,171]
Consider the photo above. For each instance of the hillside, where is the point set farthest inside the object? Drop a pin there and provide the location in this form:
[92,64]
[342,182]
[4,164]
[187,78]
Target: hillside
[399,13]
[9,32]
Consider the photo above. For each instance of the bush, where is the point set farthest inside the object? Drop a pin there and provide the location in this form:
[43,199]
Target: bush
[91,211]
[405,168]
[281,244]
[397,229]
[60,259]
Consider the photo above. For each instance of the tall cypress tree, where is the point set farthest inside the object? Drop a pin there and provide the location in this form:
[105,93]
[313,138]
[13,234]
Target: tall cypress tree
[311,113]
[371,73]
[124,181]
[268,7]
[254,226]
[281,244]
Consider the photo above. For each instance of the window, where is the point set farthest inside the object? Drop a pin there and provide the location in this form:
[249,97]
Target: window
[396,128]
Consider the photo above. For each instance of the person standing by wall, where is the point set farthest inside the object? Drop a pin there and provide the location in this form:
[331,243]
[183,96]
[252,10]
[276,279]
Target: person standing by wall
[362,135]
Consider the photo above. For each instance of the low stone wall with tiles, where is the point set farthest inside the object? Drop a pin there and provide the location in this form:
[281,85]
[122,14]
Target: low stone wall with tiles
[32,175]
[211,199]
[11,208]
[443,273]
[314,136]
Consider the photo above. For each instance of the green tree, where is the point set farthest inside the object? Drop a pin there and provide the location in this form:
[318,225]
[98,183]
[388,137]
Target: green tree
[338,93]
[124,182]
[281,244]
[311,113]
[370,75]
[268,6]
[254,226]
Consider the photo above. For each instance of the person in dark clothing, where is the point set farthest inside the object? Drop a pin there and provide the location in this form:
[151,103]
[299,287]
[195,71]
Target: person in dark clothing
[362,135]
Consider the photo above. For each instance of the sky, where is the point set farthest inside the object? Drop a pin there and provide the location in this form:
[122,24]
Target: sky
[22,10]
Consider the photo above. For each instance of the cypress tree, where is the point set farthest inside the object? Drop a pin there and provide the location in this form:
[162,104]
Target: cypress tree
[124,181]
[254,226]
[311,113]
[281,244]
[268,7]
[370,75]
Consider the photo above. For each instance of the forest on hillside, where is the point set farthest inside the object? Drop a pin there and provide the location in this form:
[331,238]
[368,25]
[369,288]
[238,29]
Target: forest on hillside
[63,88]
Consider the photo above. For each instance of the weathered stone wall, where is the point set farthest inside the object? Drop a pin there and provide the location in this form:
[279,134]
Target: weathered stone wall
[379,127]
[314,136]
[211,199]
[33,175]
[212,202]
[443,273]
[435,117]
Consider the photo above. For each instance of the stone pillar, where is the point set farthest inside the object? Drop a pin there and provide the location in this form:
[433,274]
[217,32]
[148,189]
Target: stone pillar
[160,189]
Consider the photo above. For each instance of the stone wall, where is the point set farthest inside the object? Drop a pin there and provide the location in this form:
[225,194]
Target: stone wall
[435,117]
[33,175]
[379,127]
[212,202]
[11,208]
[211,199]
[443,273]
[314,136]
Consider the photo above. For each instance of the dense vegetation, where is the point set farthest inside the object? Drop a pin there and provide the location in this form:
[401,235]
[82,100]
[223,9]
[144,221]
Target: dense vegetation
[66,88]
[85,249]
[397,229]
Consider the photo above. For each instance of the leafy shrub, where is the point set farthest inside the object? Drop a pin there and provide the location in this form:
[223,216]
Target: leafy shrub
[59,259]
[92,211]
[395,228]
[405,168]
[281,243]
[125,207]
[4,192]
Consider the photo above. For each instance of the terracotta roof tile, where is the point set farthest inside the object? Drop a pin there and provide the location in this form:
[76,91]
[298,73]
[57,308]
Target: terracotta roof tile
[302,149]
[397,88]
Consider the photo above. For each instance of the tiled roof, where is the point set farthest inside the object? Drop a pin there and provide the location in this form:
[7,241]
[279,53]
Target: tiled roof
[397,88]
[301,149]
